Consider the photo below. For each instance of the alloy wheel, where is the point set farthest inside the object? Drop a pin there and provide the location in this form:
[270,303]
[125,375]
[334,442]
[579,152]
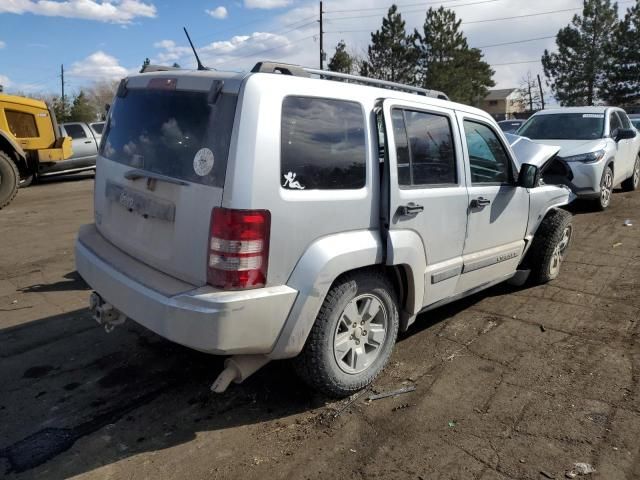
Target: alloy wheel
[606,188]
[559,251]
[360,333]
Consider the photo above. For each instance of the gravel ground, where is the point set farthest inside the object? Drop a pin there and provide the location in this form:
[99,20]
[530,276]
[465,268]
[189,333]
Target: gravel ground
[510,383]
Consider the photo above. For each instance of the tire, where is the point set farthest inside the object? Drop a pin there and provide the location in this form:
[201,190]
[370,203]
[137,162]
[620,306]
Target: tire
[550,246]
[9,179]
[26,181]
[331,360]
[606,189]
[631,183]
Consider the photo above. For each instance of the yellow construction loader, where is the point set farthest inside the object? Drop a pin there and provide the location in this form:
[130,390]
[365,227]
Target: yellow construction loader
[30,143]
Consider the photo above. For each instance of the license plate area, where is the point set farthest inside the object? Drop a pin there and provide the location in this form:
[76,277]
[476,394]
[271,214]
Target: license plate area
[141,204]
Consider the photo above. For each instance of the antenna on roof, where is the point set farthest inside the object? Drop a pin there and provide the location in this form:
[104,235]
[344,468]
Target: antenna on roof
[200,65]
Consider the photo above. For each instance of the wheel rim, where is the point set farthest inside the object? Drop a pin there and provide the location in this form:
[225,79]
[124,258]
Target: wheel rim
[559,251]
[360,333]
[605,189]
[636,173]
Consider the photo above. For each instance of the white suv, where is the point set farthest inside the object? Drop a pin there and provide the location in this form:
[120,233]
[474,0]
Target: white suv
[599,149]
[270,216]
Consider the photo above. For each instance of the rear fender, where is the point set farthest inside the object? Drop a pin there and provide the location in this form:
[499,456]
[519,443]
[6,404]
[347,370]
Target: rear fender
[320,265]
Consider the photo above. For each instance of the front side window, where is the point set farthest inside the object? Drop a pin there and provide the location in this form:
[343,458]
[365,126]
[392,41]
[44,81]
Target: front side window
[323,144]
[424,147]
[488,160]
[21,124]
[75,131]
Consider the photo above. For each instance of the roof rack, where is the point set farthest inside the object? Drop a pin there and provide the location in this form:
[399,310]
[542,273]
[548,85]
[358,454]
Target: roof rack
[299,71]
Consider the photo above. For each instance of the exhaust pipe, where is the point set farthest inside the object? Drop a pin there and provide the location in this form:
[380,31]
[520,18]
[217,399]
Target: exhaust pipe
[237,369]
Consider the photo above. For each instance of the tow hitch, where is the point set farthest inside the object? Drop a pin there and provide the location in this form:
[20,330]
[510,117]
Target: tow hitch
[104,313]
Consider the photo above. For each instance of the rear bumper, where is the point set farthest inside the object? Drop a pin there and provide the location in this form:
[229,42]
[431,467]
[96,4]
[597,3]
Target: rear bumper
[205,319]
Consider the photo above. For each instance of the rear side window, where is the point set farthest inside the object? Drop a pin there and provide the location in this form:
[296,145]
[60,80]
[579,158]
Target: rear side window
[424,148]
[75,131]
[175,133]
[323,144]
[21,124]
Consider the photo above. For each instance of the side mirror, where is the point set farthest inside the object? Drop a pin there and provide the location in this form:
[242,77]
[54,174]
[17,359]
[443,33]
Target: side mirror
[625,134]
[529,176]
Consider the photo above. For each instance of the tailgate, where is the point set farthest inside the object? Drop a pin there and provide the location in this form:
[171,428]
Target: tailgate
[161,171]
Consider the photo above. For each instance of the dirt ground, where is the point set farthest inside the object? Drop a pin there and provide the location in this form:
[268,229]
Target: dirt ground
[510,383]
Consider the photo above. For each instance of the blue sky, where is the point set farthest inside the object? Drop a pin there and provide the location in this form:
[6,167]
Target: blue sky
[106,39]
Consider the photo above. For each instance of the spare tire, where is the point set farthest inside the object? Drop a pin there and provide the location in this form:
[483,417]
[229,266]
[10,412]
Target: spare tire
[9,179]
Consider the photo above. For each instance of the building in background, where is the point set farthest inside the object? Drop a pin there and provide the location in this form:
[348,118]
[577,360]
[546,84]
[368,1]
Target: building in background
[503,104]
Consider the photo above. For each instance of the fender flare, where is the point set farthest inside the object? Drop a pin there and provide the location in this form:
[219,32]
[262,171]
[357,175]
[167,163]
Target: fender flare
[406,249]
[323,261]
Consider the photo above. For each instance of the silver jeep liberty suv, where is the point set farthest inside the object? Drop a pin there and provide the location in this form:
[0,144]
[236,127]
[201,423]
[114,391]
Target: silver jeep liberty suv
[304,214]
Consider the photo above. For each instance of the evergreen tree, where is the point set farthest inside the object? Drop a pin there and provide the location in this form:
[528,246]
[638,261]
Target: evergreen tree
[577,72]
[82,110]
[175,65]
[391,55]
[445,61]
[341,60]
[145,64]
[622,86]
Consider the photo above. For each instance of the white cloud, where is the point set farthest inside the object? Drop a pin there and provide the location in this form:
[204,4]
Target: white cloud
[5,81]
[98,66]
[218,12]
[2,44]
[111,11]
[266,4]
[238,52]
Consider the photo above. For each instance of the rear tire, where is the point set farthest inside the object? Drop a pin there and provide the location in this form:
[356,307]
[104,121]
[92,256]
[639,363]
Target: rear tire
[9,179]
[550,246]
[360,307]
[631,183]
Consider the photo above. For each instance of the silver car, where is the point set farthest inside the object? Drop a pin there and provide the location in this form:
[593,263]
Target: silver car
[598,149]
[270,216]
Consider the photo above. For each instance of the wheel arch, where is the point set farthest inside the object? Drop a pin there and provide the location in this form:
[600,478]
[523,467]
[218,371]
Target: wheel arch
[15,152]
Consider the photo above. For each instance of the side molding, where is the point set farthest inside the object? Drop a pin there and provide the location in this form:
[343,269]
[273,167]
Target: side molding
[324,260]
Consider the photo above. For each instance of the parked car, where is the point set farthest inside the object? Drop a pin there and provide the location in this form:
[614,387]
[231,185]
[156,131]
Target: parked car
[599,149]
[510,126]
[252,215]
[85,142]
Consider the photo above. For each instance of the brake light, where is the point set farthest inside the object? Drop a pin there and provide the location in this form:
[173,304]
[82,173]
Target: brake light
[238,248]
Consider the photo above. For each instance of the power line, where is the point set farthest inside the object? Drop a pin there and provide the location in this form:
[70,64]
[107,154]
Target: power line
[415,10]
[516,41]
[496,19]
[399,5]
[288,44]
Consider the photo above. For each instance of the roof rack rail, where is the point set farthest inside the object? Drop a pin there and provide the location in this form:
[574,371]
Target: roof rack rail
[299,71]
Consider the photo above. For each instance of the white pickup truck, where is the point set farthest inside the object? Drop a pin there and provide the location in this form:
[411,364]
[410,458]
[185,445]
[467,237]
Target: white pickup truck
[85,142]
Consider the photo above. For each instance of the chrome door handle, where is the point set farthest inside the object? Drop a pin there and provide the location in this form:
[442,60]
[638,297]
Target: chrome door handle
[479,202]
[410,209]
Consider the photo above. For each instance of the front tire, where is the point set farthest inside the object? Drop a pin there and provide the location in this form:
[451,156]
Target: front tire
[9,180]
[631,183]
[550,246]
[353,336]
[606,189]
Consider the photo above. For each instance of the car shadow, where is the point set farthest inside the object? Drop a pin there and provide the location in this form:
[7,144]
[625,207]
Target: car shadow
[64,379]
[73,281]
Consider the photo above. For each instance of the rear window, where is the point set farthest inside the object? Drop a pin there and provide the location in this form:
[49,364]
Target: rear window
[21,125]
[174,133]
[323,144]
[97,127]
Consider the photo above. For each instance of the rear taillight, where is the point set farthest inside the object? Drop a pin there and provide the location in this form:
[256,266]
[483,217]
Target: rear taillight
[238,248]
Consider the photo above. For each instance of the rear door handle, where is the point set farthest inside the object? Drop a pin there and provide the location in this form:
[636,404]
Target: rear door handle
[479,202]
[410,209]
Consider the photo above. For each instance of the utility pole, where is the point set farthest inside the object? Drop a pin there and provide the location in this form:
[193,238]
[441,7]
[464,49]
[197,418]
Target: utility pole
[64,105]
[541,94]
[530,97]
[321,34]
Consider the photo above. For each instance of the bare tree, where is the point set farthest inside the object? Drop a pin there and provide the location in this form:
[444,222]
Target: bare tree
[529,95]
[101,94]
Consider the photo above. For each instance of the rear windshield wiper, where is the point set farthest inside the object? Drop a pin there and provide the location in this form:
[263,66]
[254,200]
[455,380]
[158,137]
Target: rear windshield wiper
[135,174]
